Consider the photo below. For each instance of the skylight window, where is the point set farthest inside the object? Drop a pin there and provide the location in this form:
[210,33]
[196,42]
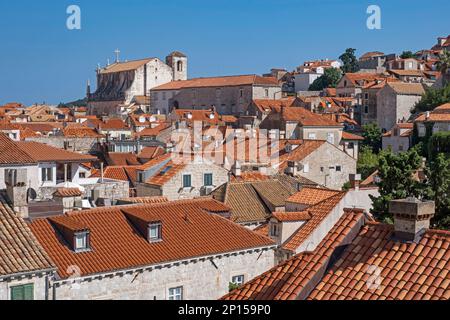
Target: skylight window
[81,241]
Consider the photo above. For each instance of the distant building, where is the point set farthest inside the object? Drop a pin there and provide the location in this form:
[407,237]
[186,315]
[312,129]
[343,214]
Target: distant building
[395,101]
[230,95]
[398,139]
[123,83]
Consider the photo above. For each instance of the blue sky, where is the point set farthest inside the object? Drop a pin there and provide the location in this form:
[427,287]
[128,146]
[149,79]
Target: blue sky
[41,60]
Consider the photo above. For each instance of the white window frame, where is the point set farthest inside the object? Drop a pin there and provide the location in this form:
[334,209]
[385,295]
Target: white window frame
[306,168]
[238,280]
[81,241]
[176,294]
[155,227]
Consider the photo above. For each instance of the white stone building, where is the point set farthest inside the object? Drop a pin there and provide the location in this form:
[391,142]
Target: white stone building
[122,83]
[395,101]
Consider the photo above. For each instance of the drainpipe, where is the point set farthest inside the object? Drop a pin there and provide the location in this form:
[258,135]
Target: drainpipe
[101,172]
[65,172]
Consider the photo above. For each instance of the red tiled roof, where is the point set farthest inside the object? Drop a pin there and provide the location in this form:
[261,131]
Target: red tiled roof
[10,153]
[301,152]
[67,192]
[288,280]
[147,200]
[273,104]
[408,271]
[151,152]
[311,196]
[306,117]
[292,216]
[188,231]
[350,136]
[318,213]
[81,132]
[122,159]
[153,132]
[123,173]
[226,81]
[166,173]
[44,153]
[113,124]
[19,250]
[439,114]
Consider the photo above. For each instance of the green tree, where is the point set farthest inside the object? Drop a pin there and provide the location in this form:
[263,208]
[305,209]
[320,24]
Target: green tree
[438,189]
[432,98]
[407,55]
[367,162]
[329,79]
[350,63]
[396,180]
[444,61]
[372,135]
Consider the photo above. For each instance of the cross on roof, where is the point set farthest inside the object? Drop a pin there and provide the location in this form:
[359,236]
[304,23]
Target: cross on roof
[117,52]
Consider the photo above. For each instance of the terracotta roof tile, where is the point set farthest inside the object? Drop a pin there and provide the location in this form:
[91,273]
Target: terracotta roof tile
[219,82]
[19,250]
[318,213]
[67,192]
[188,231]
[288,280]
[350,136]
[407,269]
[311,196]
[10,153]
[122,159]
[43,153]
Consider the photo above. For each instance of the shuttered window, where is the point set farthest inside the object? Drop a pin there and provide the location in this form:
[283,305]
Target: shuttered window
[208,179]
[187,181]
[24,292]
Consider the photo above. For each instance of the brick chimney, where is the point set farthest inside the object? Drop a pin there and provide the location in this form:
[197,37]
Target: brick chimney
[411,218]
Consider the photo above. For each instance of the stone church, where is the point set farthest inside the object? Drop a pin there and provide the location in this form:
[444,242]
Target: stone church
[122,84]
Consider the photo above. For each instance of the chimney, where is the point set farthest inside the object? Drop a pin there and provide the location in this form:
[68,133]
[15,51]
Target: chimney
[16,190]
[355,180]
[237,169]
[427,115]
[411,218]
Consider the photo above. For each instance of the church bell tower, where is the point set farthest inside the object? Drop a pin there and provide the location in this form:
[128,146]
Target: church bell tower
[179,63]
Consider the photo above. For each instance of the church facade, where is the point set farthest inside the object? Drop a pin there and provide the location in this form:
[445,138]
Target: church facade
[125,83]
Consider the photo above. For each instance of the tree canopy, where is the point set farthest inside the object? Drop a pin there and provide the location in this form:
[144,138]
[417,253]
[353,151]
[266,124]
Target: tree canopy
[349,60]
[372,135]
[329,79]
[396,180]
[407,55]
[432,98]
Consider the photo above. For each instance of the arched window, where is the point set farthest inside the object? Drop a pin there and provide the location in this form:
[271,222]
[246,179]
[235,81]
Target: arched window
[180,66]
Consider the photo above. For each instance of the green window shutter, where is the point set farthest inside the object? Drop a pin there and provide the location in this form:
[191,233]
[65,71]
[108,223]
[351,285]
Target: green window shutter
[208,179]
[187,183]
[29,292]
[17,293]
[24,292]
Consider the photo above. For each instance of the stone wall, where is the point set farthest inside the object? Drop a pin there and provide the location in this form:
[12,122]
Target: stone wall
[328,156]
[38,282]
[81,145]
[201,280]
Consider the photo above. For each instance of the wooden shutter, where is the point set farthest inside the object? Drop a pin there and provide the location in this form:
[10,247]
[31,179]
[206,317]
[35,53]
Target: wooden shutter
[29,292]
[17,293]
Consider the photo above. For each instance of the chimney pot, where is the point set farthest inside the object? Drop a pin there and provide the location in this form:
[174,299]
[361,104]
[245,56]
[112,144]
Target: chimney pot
[411,217]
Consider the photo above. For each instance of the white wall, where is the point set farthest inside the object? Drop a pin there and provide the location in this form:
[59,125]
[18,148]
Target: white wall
[200,280]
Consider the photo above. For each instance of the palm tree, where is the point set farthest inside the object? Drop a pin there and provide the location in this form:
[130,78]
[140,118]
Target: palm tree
[443,65]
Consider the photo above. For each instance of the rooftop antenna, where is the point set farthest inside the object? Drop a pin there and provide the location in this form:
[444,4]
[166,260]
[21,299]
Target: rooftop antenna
[117,52]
